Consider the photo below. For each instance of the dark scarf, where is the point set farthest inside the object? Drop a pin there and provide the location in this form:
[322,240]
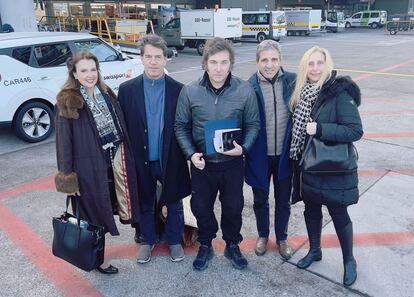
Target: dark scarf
[106,120]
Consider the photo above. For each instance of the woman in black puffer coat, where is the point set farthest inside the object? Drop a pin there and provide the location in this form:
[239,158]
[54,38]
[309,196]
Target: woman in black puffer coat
[325,106]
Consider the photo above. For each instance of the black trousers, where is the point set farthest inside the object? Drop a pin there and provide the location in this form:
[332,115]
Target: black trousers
[226,178]
[339,214]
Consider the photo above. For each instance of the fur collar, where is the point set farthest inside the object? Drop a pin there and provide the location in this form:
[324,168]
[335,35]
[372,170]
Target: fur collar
[337,84]
[70,101]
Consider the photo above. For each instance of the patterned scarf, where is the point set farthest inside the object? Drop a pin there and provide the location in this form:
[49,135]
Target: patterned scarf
[106,123]
[301,116]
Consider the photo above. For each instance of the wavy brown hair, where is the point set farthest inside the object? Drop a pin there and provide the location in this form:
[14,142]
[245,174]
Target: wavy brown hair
[71,81]
[214,46]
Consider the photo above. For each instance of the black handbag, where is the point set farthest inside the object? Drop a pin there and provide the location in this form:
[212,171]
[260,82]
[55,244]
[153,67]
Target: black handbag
[329,157]
[77,241]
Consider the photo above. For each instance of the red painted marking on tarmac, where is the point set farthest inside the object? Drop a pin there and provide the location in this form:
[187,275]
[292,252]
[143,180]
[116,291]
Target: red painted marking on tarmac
[41,184]
[130,251]
[248,245]
[384,239]
[62,275]
[369,173]
[47,183]
[388,135]
[393,172]
[387,112]
[387,100]
[371,239]
[383,70]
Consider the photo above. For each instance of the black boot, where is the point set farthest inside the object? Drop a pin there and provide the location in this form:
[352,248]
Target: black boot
[350,266]
[314,228]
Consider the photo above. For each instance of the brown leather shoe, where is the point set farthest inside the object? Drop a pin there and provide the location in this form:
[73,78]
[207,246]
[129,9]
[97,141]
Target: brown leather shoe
[284,249]
[261,246]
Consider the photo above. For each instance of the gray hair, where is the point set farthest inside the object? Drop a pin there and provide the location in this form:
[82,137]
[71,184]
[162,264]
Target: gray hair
[266,45]
[216,45]
[155,41]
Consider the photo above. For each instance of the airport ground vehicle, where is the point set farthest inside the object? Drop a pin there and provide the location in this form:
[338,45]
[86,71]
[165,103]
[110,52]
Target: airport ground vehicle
[400,23]
[33,69]
[369,18]
[194,27]
[261,25]
[335,21]
[303,22]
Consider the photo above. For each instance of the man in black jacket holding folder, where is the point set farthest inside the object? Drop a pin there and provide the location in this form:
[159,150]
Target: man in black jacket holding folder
[218,100]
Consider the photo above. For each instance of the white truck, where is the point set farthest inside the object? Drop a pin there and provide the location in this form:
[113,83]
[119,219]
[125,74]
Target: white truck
[335,22]
[303,22]
[194,27]
[261,25]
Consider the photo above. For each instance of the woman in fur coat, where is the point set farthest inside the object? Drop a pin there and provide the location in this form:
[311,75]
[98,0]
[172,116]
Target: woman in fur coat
[95,164]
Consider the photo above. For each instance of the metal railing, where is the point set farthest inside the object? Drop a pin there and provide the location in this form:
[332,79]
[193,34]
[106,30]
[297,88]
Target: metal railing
[396,26]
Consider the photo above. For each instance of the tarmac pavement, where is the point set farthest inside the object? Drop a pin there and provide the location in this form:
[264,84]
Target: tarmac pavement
[383,220]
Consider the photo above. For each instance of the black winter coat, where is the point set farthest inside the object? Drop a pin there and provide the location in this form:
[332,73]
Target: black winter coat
[338,121]
[176,177]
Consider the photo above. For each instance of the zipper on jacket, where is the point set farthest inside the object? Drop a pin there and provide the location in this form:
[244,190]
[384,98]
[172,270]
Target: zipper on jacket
[217,96]
[275,111]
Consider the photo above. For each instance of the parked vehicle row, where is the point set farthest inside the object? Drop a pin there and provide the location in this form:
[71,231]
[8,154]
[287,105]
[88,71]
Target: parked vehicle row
[191,28]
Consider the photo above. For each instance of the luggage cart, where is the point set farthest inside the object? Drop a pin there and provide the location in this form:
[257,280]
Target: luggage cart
[396,25]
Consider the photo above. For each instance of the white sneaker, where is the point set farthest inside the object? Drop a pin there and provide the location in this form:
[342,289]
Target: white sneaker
[177,253]
[144,254]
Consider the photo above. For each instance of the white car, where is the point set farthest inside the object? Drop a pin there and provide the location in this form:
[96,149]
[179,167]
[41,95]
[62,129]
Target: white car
[33,69]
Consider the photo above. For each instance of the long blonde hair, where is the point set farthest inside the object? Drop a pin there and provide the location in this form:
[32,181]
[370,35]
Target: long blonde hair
[303,73]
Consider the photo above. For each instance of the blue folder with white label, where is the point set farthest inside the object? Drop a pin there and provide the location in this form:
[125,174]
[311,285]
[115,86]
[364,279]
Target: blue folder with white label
[210,129]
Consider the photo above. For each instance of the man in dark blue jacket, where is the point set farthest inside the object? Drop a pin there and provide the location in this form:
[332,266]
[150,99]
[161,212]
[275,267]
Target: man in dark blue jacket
[148,103]
[269,157]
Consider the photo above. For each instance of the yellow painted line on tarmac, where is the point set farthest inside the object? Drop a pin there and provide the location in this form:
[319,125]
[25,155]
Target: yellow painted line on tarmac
[376,73]
[359,71]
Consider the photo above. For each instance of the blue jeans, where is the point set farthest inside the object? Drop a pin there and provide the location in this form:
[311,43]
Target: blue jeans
[174,225]
[282,190]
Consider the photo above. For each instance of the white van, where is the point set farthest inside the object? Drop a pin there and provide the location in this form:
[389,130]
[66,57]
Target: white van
[369,18]
[33,69]
[261,25]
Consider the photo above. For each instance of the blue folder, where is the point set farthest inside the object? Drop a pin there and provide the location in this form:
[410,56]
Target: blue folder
[211,126]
